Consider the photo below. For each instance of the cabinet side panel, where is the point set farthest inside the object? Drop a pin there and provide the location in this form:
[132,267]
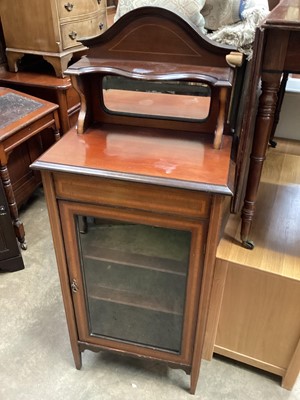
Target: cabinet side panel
[263,329]
[61,263]
[217,210]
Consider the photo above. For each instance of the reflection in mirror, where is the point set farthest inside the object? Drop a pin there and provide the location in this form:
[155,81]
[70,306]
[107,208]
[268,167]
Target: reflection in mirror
[181,100]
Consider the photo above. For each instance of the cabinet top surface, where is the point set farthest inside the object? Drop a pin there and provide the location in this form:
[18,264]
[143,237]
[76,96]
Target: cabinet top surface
[19,110]
[287,13]
[168,158]
[33,79]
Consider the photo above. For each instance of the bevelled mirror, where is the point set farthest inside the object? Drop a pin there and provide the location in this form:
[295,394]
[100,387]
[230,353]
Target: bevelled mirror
[172,99]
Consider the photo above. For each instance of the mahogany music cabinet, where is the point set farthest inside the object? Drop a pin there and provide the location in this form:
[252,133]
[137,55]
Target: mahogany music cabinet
[137,194]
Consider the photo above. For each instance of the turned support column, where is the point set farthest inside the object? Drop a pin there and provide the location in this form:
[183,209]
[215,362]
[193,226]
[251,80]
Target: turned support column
[263,128]
[272,66]
[280,95]
[17,224]
[56,127]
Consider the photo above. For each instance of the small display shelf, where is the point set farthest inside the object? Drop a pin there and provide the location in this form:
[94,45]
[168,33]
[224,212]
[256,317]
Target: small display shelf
[136,195]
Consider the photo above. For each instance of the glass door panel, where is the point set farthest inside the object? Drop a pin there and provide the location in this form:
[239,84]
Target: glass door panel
[135,281]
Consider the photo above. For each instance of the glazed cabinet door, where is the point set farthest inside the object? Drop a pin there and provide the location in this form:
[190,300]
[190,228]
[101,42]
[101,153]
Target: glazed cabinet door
[135,278]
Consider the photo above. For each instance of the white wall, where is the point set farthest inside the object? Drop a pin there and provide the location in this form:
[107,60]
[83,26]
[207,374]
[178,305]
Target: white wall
[289,121]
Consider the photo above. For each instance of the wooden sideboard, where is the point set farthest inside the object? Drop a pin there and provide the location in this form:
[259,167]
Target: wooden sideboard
[51,29]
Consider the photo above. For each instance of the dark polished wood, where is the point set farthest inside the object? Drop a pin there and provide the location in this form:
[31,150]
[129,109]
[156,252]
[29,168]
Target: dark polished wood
[139,39]
[19,134]
[280,97]
[280,34]
[47,87]
[142,171]
[160,157]
[10,257]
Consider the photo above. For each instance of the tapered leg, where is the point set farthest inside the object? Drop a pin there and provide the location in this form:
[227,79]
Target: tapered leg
[194,378]
[77,357]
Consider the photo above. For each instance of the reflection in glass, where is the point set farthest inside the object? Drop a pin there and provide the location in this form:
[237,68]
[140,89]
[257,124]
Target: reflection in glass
[135,281]
[165,99]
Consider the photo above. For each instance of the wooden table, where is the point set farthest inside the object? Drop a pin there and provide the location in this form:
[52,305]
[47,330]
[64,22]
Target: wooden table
[48,87]
[23,117]
[280,35]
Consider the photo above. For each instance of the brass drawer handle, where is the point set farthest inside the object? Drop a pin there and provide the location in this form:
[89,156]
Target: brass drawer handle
[101,26]
[2,210]
[69,6]
[73,35]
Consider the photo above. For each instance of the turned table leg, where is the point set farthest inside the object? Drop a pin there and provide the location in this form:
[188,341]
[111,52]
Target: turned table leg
[280,95]
[56,126]
[273,63]
[17,224]
[263,127]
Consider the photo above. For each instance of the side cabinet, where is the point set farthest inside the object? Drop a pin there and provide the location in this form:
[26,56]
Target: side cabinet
[135,265]
[10,257]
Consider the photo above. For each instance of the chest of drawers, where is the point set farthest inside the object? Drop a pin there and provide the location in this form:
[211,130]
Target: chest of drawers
[51,29]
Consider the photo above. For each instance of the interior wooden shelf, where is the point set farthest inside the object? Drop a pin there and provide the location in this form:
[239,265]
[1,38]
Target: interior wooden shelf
[134,252]
[136,265]
[98,292]
[147,289]
[161,264]
[136,325]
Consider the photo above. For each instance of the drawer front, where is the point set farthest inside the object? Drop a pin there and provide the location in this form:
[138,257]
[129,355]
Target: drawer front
[73,8]
[132,195]
[73,31]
